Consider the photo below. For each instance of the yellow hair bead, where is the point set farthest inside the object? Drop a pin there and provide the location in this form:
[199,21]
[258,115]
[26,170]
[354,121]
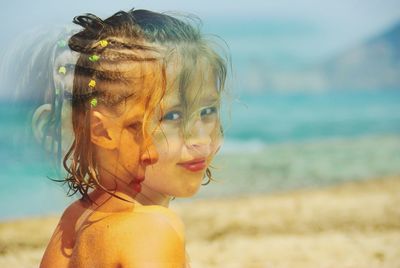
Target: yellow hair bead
[62,70]
[103,43]
[92,83]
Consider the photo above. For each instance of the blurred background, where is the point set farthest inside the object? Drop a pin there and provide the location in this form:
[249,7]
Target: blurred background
[313,97]
[309,174]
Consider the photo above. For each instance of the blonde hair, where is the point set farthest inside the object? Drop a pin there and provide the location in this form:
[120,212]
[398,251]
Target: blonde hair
[139,39]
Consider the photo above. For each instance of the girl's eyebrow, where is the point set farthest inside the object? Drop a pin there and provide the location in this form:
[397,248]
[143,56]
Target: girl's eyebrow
[171,105]
[133,118]
[206,101]
[174,106]
[209,100]
[134,113]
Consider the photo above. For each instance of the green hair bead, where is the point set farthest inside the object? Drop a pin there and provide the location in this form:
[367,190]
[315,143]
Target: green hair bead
[93,102]
[94,58]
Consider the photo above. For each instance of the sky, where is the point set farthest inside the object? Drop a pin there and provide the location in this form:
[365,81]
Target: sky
[281,32]
[349,19]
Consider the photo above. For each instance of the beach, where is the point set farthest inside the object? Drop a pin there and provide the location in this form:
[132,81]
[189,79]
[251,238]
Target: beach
[308,171]
[353,224]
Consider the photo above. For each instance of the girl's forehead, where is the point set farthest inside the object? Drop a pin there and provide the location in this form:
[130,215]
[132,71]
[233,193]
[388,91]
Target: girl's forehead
[200,89]
[198,94]
[134,108]
[138,79]
[190,76]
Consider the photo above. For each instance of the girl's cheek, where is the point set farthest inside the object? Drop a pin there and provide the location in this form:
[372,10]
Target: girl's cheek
[172,146]
[166,146]
[216,143]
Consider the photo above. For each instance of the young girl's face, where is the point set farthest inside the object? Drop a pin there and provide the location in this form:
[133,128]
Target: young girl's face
[186,139]
[124,149]
[128,152]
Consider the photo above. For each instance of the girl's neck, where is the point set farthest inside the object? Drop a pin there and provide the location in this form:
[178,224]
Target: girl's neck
[146,197]
[156,199]
[102,201]
[123,200]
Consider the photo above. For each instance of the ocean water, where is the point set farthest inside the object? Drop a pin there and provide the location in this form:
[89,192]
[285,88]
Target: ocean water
[273,142]
[276,142]
[280,117]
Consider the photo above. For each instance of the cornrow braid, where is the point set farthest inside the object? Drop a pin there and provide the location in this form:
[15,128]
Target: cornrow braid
[110,51]
[115,54]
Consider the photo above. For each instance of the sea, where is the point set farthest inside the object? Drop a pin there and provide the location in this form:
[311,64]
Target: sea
[273,142]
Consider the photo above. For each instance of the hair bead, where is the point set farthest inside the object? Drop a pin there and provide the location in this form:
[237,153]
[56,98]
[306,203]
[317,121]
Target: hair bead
[62,70]
[92,83]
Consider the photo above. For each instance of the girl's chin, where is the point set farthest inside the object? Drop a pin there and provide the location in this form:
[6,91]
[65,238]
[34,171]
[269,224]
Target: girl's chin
[190,194]
[190,190]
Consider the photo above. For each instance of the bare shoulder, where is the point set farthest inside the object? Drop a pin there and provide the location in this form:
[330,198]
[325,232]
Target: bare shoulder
[146,216]
[151,236]
[62,242]
[158,214]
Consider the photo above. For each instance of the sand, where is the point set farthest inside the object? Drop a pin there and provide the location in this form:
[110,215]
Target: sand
[350,225]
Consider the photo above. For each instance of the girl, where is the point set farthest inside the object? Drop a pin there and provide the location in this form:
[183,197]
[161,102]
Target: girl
[43,75]
[145,117]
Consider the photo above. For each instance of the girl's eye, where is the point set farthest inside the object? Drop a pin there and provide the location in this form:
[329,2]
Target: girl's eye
[208,111]
[136,129]
[171,116]
[136,126]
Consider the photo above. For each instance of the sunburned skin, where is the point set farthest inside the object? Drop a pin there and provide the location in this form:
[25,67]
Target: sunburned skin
[132,234]
[116,234]
[111,232]
[143,232]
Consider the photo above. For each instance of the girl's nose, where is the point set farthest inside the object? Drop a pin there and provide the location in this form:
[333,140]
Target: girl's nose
[199,138]
[149,155]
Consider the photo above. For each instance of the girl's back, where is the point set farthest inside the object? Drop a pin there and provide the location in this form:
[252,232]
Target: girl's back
[137,236]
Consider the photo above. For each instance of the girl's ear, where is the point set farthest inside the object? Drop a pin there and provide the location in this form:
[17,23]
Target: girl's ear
[99,131]
[39,120]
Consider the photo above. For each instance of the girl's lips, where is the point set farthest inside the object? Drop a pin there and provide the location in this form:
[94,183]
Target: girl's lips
[136,184]
[137,187]
[194,165]
[139,179]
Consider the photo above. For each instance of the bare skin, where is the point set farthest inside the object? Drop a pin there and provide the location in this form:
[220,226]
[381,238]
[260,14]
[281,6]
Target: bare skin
[141,236]
[111,232]
[143,232]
